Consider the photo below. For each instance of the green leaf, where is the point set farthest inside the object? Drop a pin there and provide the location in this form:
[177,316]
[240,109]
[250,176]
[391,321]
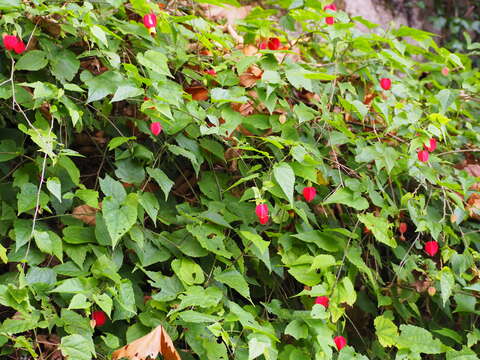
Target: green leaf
[346,292]
[419,340]
[210,238]
[103,85]
[162,180]
[89,196]
[79,301]
[298,329]
[188,271]
[447,281]
[55,187]
[256,239]
[386,331]
[198,296]
[113,189]
[347,197]
[304,113]
[71,168]
[296,75]
[104,302]
[150,204]
[235,280]
[9,5]
[77,347]
[380,228]
[446,97]
[99,34]
[119,140]
[65,66]
[125,307]
[126,91]
[32,61]
[324,240]
[177,150]
[285,177]
[234,94]
[119,218]
[8,150]
[155,61]
[27,198]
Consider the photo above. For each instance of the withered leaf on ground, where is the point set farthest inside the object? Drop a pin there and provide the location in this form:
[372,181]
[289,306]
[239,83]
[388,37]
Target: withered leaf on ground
[250,77]
[154,343]
[85,213]
[199,93]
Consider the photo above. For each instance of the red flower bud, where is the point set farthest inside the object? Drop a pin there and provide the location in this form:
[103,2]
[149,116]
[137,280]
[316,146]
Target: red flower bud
[330,20]
[100,318]
[445,71]
[322,300]
[274,43]
[150,22]
[262,213]
[19,46]
[211,72]
[423,156]
[402,228]
[10,41]
[263,45]
[385,83]
[156,128]
[432,145]
[340,342]
[309,193]
[431,248]
[332,7]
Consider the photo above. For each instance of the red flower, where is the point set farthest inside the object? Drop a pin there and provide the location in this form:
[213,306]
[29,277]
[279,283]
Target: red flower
[322,300]
[211,72]
[309,193]
[330,20]
[19,47]
[340,342]
[150,22]
[432,145]
[156,128]
[274,43]
[100,318]
[263,45]
[10,41]
[402,228]
[423,156]
[385,83]
[262,213]
[431,248]
[445,71]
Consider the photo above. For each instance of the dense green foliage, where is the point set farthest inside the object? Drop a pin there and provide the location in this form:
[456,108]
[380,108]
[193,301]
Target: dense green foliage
[99,214]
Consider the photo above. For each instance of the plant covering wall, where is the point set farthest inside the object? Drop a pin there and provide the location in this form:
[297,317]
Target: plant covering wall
[237,183]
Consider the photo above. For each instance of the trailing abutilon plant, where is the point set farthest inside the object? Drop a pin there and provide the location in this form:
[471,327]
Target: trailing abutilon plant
[248,183]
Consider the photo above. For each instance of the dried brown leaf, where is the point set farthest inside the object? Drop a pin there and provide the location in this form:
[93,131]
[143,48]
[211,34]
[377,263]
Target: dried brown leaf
[198,93]
[85,213]
[156,342]
[244,109]
[250,77]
